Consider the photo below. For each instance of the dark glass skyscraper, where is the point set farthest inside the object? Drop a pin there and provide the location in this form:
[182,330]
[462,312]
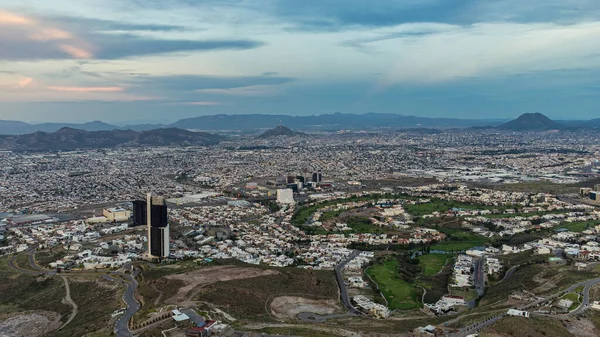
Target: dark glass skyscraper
[158,227]
[140,213]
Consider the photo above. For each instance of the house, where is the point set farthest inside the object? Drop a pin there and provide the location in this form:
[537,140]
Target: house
[542,250]
[428,331]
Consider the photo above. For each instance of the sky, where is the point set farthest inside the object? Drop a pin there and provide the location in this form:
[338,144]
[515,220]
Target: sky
[156,61]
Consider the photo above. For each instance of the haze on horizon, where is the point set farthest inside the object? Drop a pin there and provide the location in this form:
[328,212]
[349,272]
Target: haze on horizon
[128,61]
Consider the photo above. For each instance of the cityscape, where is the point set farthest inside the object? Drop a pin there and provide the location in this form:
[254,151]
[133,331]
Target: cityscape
[284,168]
[404,232]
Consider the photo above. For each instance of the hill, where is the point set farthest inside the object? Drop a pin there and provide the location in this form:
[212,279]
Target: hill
[531,122]
[280,131]
[67,139]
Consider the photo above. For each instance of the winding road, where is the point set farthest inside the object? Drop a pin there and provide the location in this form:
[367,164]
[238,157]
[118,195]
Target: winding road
[352,311]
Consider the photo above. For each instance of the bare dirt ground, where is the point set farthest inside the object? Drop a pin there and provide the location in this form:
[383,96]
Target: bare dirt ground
[581,328]
[291,306]
[30,324]
[210,275]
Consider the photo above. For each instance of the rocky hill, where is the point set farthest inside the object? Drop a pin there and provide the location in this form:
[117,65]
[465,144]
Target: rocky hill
[531,122]
[280,131]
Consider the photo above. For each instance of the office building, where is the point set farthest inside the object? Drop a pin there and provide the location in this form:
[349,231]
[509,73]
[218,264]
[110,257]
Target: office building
[158,227]
[140,212]
[317,177]
[285,196]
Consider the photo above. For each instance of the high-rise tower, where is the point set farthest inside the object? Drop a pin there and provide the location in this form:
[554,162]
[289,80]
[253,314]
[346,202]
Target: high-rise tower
[158,227]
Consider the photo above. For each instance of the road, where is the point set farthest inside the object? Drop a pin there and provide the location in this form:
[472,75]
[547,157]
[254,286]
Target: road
[509,273]
[479,277]
[473,328]
[352,311]
[340,279]
[122,324]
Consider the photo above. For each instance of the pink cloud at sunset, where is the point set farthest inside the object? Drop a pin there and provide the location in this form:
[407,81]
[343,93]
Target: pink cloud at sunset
[42,36]
[87,89]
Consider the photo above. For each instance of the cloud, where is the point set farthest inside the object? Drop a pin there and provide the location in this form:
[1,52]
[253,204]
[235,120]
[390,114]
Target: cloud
[110,25]
[11,19]
[202,103]
[126,45]
[254,90]
[338,15]
[206,82]
[87,89]
[25,82]
[28,38]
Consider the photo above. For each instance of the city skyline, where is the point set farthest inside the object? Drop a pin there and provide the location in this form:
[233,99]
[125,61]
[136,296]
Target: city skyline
[130,62]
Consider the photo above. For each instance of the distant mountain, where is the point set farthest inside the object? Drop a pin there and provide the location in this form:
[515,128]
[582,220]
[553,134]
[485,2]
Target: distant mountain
[20,128]
[89,126]
[336,121]
[531,122]
[142,127]
[14,127]
[280,131]
[67,139]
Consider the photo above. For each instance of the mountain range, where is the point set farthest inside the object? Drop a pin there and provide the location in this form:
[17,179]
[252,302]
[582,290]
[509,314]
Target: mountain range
[336,121]
[325,122]
[66,139]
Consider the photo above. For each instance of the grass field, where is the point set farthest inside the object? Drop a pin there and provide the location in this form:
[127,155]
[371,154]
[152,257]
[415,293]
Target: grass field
[436,205]
[578,226]
[456,246]
[398,293]
[432,263]
[363,225]
[304,212]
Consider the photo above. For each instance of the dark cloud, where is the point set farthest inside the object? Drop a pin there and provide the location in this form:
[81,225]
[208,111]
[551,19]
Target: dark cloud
[117,46]
[86,24]
[126,45]
[183,83]
[333,15]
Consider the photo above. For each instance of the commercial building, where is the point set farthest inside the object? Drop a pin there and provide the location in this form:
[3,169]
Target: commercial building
[158,227]
[285,196]
[116,214]
[140,213]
